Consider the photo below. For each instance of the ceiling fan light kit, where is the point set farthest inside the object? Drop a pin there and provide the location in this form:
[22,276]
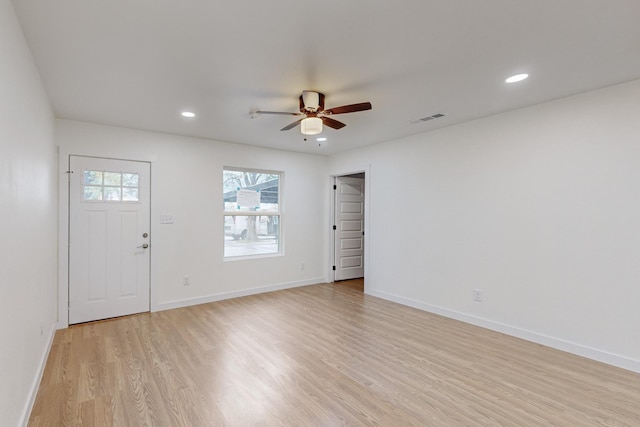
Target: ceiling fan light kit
[314,114]
[311,126]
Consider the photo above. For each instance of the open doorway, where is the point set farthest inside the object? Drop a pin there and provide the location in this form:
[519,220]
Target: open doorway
[353,284]
[348,228]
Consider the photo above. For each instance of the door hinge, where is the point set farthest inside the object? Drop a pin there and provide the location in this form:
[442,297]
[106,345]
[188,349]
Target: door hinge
[335,187]
[334,268]
[69,175]
[334,227]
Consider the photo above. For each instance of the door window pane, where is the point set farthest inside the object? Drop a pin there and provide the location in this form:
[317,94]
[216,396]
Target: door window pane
[130,179]
[92,177]
[112,178]
[130,194]
[110,186]
[112,193]
[92,193]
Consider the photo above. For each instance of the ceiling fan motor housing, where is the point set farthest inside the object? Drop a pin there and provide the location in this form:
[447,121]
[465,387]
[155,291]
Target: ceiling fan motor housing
[311,100]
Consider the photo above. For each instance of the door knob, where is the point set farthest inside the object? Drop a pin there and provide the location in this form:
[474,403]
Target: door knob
[144,246]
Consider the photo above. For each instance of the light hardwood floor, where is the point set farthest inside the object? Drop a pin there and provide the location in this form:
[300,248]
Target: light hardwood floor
[323,355]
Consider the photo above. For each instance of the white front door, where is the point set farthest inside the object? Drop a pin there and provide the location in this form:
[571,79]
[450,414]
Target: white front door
[109,218]
[349,228]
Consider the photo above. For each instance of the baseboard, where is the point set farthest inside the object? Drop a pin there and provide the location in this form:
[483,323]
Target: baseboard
[35,385]
[234,294]
[538,338]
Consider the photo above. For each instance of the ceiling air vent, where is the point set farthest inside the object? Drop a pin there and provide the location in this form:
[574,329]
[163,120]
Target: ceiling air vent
[426,119]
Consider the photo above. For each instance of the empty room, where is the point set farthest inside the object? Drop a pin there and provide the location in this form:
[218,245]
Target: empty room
[288,213]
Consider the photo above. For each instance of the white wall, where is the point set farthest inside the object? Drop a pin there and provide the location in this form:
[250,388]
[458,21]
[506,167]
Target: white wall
[28,213]
[186,175]
[539,208]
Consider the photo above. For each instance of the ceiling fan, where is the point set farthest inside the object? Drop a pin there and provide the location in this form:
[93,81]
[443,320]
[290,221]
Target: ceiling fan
[313,115]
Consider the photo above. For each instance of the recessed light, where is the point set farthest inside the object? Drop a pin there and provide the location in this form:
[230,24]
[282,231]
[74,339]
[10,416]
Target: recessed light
[188,114]
[321,139]
[517,78]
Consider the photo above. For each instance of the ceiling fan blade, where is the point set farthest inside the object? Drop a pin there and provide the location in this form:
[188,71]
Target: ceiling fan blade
[278,112]
[349,108]
[292,125]
[332,123]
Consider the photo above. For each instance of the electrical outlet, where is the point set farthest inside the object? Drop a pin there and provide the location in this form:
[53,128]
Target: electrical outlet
[41,329]
[302,266]
[477,295]
[186,281]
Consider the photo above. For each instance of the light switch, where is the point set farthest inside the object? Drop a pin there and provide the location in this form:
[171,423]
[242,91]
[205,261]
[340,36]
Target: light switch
[166,219]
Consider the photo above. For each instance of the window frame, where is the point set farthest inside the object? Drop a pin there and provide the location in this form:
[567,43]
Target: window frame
[254,213]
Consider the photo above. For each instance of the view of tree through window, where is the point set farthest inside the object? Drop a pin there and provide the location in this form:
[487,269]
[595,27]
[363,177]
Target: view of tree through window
[252,217]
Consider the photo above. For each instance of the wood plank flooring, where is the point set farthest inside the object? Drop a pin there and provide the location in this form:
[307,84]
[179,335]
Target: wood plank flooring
[323,355]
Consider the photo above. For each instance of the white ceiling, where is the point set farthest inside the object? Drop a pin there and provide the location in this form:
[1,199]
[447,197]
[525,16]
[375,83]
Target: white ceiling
[139,63]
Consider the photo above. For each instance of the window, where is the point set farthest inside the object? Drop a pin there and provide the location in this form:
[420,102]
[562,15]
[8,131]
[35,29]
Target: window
[103,186]
[252,212]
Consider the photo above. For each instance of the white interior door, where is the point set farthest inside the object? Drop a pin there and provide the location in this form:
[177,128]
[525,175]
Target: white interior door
[109,209]
[349,228]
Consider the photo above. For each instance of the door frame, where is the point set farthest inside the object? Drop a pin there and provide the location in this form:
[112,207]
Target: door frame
[64,218]
[367,222]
